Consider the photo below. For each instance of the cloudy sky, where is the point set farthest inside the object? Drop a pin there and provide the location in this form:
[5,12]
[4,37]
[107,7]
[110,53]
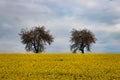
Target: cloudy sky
[102,17]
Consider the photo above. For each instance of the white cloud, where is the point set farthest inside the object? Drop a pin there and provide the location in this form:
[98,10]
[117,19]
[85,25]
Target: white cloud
[11,46]
[111,28]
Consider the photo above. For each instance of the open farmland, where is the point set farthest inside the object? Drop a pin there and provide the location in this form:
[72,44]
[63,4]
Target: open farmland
[59,66]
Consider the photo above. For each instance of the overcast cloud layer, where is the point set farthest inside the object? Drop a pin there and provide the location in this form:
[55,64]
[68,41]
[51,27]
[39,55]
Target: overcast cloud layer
[102,17]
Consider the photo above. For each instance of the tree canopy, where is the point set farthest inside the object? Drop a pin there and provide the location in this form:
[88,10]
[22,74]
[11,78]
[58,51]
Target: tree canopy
[36,38]
[81,39]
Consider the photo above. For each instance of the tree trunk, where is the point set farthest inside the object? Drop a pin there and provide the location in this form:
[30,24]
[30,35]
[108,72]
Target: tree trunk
[74,52]
[36,51]
[82,50]
[82,47]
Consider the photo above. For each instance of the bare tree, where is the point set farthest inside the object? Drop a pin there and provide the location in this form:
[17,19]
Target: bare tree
[81,39]
[36,38]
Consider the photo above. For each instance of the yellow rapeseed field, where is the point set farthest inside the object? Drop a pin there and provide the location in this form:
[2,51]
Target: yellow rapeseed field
[59,66]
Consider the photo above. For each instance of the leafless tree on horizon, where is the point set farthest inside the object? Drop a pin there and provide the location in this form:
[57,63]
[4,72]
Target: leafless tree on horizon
[81,39]
[36,38]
